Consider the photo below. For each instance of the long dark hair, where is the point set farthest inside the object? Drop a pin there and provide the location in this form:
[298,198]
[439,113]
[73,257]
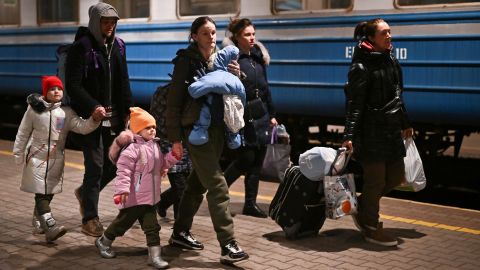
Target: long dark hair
[197,23]
[366,29]
[236,26]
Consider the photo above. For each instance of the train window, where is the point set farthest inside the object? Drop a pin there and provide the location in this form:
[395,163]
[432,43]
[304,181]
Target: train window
[54,11]
[130,8]
[280,6]
[9,12]
[407,3]
[211,7]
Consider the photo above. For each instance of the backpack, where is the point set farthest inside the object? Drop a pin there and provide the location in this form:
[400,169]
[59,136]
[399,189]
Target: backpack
[158,109]
[158,103]
[90,54]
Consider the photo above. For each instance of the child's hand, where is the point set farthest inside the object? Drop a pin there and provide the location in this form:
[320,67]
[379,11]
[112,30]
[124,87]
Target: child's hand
[99,113]
[120,198]
[177,150]
[164,173]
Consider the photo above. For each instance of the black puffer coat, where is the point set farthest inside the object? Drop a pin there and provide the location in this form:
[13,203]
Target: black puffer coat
[89,85]
[255,81]
[376,113]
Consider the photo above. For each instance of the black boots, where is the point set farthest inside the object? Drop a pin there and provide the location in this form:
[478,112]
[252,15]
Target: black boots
[250,208]
[231,174]
[253,210]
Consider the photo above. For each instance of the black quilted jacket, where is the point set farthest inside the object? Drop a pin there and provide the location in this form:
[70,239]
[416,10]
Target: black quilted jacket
[375,110]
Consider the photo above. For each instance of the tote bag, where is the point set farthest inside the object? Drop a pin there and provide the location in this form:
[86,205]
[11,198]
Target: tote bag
[277,158]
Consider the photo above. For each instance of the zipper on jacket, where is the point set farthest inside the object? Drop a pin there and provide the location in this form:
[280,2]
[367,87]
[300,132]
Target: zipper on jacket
[153,173]
[48,150]
[139,182]
[108,101]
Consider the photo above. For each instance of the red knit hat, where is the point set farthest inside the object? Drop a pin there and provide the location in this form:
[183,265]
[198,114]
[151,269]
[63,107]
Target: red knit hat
[140,119]
[49,82]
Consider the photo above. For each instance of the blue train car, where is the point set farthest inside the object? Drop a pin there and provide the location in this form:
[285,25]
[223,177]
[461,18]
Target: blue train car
[311,45]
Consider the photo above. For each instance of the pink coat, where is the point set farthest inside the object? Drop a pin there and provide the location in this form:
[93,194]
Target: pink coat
[139,170]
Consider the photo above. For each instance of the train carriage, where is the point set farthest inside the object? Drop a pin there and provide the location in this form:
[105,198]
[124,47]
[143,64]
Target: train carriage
[310,41]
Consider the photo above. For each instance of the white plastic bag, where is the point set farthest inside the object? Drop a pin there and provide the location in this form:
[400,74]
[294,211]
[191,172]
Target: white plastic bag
[233,112]
[415,179]
[340,196]
[316,162]
[339,188]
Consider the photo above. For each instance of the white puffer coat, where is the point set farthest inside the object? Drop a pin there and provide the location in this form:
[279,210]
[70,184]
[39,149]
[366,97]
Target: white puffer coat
[44,130]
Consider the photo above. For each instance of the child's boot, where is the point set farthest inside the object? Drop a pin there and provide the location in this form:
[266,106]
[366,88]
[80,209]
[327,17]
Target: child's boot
[155,259]
[104,246]
[37,226]
[52,230]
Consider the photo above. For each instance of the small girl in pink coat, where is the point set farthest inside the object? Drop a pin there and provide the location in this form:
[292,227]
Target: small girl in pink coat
[137,186]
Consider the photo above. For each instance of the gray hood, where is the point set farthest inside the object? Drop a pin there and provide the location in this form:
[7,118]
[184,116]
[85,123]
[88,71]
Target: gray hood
[96,12]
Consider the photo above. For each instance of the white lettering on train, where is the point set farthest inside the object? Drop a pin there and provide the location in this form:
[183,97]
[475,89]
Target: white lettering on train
[400,53]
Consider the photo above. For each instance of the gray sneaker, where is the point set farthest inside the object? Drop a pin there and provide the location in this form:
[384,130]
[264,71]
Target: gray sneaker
[104,246]
[37,226]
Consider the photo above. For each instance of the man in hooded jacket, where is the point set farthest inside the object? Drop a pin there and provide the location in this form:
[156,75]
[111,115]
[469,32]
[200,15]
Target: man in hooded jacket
[98,77]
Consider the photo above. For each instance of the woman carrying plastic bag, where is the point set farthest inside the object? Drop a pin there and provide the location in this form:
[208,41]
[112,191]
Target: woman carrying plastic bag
[415,179]
[277,158]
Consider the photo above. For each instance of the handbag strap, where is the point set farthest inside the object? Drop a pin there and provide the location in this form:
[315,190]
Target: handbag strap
[273,137]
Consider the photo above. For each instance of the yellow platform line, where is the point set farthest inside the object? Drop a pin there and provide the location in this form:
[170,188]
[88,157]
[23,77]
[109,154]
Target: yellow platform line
[387,217]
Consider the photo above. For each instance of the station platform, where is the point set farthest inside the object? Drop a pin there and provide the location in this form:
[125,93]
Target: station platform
[430,236]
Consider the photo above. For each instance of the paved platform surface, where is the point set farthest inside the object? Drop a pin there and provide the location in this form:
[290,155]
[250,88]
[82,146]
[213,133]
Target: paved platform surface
[430,236]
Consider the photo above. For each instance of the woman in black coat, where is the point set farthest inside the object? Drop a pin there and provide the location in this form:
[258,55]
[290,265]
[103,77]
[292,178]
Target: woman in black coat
[376,123]
[253,60]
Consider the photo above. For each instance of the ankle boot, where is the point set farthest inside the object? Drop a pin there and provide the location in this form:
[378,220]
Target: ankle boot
[155,259]
[52,230]
[37,226]
[250,207]
[253,210]
[231,174]
[104,246]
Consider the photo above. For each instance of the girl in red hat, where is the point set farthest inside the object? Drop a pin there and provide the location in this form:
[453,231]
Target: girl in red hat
[39,147]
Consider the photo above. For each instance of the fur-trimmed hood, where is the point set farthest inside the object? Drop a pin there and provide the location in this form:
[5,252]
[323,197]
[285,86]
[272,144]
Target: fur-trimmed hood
[121,141]
[38,103]
[265,55]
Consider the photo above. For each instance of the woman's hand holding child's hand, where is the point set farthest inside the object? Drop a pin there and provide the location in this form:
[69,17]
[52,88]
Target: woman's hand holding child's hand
[177,150]
[99,113]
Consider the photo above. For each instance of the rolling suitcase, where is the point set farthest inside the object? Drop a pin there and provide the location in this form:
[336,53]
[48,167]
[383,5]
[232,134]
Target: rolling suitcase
[299,205]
